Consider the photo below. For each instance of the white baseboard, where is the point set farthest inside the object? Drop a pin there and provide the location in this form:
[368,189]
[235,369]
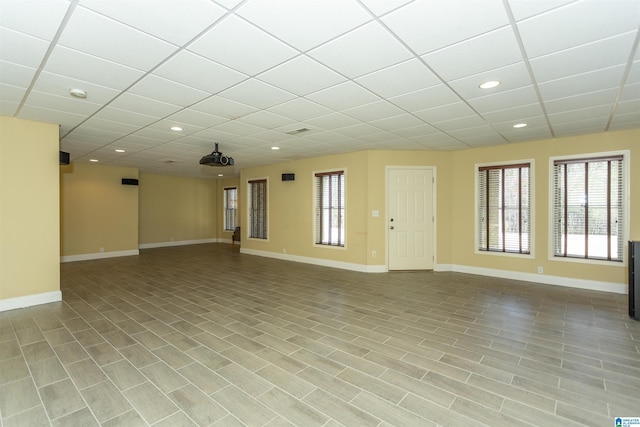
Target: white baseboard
[99,255]
[571,282]
[178,243]
[318,261]
[30,300]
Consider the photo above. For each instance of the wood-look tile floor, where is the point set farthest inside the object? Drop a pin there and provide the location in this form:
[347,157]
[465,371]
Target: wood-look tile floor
[198,335]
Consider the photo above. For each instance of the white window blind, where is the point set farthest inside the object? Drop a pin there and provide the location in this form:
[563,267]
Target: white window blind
[329,208]
[504,208]
[230,208]
[258,209]
[588,212]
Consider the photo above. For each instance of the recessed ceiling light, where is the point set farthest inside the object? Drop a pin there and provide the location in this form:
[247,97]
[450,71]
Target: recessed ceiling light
[176,128]
[78,93]
[93,160]
[119,150]
[490,84]
[220,174]
[520,125]
[275,148]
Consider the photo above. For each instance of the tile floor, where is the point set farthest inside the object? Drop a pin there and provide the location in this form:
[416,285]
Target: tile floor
[198,335]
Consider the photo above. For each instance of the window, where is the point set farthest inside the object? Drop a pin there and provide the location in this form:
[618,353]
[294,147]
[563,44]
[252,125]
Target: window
[588,211]
[230,208]
[503,221]
[258,209]
[329,208]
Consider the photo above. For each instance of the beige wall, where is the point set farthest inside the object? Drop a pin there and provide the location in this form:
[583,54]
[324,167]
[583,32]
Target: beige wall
[463,210]
[290,208]
[99,214]
[29,208]
[177,209]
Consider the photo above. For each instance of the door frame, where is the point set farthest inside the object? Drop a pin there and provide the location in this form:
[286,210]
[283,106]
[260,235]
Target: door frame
[433,170]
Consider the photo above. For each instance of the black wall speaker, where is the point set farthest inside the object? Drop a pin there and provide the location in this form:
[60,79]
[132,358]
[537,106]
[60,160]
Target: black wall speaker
[129,181]
[288,176]
[64,158]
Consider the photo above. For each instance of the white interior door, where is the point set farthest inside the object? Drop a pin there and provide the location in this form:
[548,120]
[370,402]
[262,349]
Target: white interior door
[410,220]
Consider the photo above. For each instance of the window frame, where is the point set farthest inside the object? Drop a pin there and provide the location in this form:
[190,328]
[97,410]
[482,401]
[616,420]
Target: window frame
[584,157]
[225,209]
[315,176]
[532,208]
[249,232]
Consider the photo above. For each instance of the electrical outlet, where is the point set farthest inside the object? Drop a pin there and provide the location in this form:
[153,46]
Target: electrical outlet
[101,249]
[284,250]
[374,253]
[540,270]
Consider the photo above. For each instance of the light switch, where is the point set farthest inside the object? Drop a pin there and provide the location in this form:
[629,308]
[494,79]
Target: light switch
[375,214]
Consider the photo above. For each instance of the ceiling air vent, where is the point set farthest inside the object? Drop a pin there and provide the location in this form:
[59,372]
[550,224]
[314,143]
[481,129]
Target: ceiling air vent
[297,131]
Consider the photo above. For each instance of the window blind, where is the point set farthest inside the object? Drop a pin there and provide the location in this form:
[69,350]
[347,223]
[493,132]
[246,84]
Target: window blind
[504,208]
[330,208]
[588,208]
[258,209]
[230,208]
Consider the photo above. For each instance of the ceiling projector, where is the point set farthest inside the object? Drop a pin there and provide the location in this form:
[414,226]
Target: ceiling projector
[216,159]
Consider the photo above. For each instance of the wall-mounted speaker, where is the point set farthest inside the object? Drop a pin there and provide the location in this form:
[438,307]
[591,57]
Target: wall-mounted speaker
[64,158]
[129,181]
[288,176]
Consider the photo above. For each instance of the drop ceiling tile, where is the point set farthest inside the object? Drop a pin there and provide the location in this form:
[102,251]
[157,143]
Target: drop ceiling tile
[634,73]
[483,130]
[10,98]
[332,121]
[266,120]
[237,128]
[114,41]
[533,122]
[93,136]
[40,20]
[602,97]
[526,8]
[527,134]
[445,112]
[381,7]
[482,53]
[167,91]
[300,109]
[125,116]
[579,127]
[197,118]
[597,114]
[415,131]
[362,51]
[625,120]
[60,85]
[223,107]
[47,115]
[104,128]
[31,51]
[175,22]
[62,103]
[374,111]
[397,122]
[580,83]
[408,76]
[159,136]
[459,123]
[166,124]
[483,140]
[193,70]
[358,130]
[503,100]
[257,94]
[629,107]
[89,68]
[343,96]
[425,98]
[305,25]
[577,24]
[510,77]
[514,115]
[16,75]
[143,105]
[427,25]
[229,41]
[630,92]
[582,59]
[301,75]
